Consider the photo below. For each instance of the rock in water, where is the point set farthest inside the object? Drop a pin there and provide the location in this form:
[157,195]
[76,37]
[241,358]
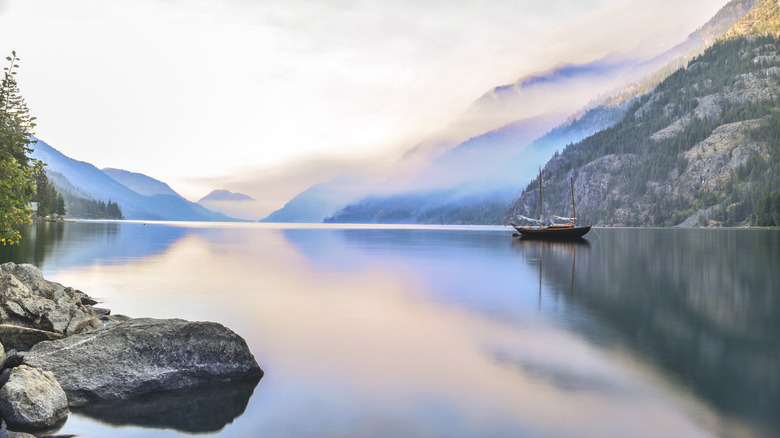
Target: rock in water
[32,399]
[28,300]
[142,356]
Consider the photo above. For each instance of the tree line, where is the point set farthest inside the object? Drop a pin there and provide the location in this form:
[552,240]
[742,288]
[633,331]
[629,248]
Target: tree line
[50,202]
[23,180]
[17,170]
[83,208]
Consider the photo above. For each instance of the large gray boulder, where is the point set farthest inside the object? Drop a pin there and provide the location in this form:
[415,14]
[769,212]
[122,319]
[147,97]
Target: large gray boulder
[142,356]
[32,399]
[28,300]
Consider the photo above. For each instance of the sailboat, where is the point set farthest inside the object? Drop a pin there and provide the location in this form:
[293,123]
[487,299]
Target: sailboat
[568,229]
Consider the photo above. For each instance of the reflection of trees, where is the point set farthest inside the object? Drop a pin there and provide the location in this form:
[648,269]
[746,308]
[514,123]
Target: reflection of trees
[53,246]
[702,304]
[35,245]
[42,239]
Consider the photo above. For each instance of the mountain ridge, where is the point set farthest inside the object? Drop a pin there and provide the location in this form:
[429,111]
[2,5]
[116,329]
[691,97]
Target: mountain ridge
[411,204]
[761,20]
[92,183]
[698,150]
[139,183]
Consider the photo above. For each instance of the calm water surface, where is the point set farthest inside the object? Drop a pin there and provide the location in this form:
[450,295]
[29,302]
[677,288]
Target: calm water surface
[444,331]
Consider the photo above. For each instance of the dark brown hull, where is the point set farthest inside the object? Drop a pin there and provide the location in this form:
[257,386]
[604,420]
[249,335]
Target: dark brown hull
[552,232]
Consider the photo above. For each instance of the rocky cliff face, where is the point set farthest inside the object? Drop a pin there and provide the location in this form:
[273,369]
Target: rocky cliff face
[683,154]
[761,20]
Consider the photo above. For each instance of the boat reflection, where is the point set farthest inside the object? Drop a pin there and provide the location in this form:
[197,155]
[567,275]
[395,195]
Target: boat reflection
[535,251]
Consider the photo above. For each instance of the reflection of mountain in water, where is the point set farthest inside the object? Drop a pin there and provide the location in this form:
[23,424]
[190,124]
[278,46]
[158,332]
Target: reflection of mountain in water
[701,304]
[474,269]
[200,409]
[53,246]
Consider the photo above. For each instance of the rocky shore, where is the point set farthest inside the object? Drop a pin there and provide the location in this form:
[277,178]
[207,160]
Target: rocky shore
[60,352]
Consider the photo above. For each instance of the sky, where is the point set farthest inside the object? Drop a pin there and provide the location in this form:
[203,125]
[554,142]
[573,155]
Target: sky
[273,96]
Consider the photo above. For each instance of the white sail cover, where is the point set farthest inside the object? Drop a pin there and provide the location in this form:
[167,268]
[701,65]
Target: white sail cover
[526,218]
[565,219]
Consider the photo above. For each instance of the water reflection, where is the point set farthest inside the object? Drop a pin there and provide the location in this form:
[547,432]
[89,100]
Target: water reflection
[700,304]
[38,241]
[534,252]
[201,409]
[463,333]
[60,245]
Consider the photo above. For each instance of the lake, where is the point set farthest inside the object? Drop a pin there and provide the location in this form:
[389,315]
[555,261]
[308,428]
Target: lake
[418,331]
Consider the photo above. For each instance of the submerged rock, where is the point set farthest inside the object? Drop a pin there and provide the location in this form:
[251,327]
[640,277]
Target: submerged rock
[142,356]
[32,399]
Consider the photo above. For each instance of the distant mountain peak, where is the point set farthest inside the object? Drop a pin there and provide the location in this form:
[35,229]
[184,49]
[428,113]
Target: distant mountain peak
[225,195]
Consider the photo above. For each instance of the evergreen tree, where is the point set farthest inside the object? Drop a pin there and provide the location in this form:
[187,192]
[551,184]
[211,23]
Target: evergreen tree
[48,198]
[59,206]
[17,171]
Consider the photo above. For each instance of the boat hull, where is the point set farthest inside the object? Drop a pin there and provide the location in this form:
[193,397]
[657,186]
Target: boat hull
[556,233]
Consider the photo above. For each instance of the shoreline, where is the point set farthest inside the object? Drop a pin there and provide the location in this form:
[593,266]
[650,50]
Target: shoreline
[56,343]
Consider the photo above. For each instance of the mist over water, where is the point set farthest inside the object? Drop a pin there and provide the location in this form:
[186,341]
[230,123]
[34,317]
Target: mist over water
[446,331]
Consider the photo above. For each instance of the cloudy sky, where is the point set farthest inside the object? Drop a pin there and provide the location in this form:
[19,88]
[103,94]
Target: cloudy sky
[207,94]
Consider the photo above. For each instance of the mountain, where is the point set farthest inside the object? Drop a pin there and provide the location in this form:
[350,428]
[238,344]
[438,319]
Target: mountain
[231,204]
[87,181]
[139,183]
[483,198]
[760,21]
[483,170]
[316,203]
[225,195]
[702,148]
[464,183]
[706,35]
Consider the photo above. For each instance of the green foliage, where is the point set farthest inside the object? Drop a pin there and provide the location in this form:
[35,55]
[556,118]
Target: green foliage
[749,194]
[648,162]
[767,211]
[17,171]
[83,208]
[50,202]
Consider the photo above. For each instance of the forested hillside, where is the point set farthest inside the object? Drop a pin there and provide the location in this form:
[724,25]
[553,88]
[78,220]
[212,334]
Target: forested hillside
[702,148]
[484,199]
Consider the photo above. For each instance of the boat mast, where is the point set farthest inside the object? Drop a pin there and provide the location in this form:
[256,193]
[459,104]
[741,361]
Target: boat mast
[573,210]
